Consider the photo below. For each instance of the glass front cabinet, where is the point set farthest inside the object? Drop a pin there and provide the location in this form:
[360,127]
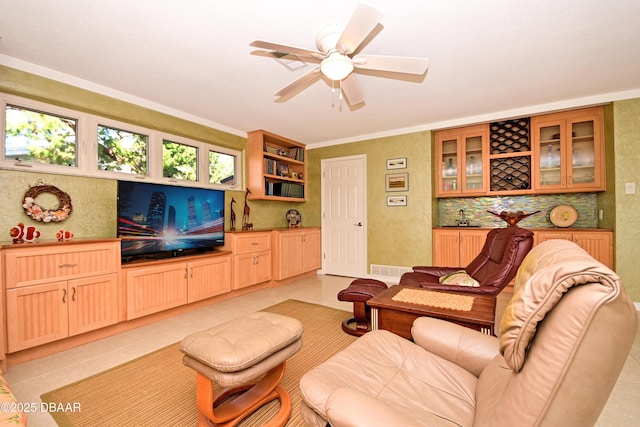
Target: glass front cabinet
[568,149]
[461,161]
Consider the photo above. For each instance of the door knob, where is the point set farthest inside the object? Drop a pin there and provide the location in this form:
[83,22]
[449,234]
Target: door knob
[358,224]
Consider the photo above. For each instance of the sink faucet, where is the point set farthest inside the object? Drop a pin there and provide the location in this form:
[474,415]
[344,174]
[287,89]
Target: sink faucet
[462,221]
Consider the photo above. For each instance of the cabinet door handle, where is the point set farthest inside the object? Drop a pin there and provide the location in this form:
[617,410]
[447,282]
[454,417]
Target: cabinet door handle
[67,265]
[358,224]
[73,295]
[191,273]
[186,274]
[64,296]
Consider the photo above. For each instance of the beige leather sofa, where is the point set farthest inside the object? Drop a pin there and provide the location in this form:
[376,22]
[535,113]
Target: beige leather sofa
[564,338]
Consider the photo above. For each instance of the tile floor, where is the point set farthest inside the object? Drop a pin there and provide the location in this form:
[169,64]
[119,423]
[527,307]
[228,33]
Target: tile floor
[31,379]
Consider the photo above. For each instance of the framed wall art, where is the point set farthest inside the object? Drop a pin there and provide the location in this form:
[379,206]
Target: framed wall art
[396,200]
[397,181]
[400,163]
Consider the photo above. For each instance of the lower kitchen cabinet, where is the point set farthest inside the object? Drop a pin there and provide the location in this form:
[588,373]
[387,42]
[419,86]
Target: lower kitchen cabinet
[251,269]
[155,287]
[55,290]
[296,251]
[456,247]
[43,313]
[599,243]
[453,247]
[208,278]
[251,257]
[160,285]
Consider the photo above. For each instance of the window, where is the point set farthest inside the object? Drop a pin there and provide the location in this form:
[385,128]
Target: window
[179,161]
[38,137]
[222,168]
[122,151]
[51,139]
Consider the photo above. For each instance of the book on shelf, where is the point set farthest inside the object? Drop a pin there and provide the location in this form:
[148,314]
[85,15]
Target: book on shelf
[296,154]
[269,166]
[284,189]
[274,167]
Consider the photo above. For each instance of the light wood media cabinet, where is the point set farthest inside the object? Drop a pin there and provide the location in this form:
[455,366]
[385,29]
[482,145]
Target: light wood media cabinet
[57,295]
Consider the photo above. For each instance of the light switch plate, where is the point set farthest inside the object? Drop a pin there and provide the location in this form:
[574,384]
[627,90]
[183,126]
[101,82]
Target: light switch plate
[630,188]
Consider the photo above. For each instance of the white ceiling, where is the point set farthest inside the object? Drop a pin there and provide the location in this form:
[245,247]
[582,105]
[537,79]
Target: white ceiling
[489,59]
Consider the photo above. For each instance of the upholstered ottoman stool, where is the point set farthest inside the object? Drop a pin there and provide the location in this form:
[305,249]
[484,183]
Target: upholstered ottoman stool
[359,292]
[246,359]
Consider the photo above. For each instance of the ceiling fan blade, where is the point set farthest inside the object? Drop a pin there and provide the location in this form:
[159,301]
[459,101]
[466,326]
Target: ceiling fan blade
[352,90]
[300,83]
[362,22]
[276,47]
[395,64]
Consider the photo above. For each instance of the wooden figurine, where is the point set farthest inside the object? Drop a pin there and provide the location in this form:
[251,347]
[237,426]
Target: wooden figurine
[233,216]
[246,225]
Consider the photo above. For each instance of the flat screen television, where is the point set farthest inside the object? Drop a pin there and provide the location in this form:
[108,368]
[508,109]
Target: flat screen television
[158,221]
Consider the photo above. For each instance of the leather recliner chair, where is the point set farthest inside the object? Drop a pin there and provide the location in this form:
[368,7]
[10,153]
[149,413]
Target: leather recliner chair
[564,338]
[495,266]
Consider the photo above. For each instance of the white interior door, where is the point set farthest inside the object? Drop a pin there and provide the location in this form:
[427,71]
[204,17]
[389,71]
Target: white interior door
[344,216]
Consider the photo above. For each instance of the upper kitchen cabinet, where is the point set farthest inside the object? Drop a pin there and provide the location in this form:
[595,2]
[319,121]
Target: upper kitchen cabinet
[552,153]
[276,168]
[461,161]
[569,151]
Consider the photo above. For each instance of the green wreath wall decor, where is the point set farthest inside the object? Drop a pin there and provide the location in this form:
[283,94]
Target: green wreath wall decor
[38,213]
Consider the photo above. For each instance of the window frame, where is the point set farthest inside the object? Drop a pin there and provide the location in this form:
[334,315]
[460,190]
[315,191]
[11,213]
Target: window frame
[81,123]
[87,149]
[236,154]
[183,141]
[93,148]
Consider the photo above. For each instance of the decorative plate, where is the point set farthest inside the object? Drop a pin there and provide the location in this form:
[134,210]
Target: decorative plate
[563,216]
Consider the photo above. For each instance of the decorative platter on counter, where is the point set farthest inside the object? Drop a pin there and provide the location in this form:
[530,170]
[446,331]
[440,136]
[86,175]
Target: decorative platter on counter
[563,216]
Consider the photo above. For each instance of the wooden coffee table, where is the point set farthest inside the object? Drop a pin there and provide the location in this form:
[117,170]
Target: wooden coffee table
[398,316]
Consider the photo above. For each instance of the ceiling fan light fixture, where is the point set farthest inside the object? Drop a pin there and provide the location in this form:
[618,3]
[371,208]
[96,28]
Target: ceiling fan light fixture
[336,66]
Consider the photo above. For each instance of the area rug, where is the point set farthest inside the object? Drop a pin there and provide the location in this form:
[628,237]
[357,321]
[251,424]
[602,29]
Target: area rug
[158,390]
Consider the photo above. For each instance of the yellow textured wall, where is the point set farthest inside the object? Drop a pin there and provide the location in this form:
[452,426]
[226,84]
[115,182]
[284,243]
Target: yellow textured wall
[93,201]
[396,235]
[627,161]
[263,214]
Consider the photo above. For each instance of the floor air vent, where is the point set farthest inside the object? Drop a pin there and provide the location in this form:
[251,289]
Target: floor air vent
[388,273]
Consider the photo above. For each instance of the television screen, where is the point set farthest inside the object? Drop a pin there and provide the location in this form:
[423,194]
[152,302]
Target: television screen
[166,220]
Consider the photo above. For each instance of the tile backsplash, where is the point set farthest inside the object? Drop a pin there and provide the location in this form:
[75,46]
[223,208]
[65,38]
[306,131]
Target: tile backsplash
[475,209]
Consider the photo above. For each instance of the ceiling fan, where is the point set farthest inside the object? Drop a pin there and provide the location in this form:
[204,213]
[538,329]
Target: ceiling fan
[336,44]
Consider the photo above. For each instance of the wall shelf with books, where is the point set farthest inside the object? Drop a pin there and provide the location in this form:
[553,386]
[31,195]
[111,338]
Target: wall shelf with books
[276,167]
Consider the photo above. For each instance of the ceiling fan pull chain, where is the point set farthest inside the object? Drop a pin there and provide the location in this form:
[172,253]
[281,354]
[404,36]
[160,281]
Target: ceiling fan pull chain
[333,94]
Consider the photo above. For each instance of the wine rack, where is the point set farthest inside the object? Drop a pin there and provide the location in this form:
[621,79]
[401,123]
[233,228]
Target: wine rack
[510,155]
[510,136]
